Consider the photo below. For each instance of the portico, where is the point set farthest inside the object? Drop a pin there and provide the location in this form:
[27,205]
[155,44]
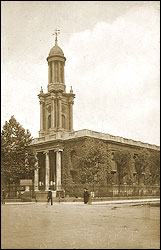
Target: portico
[49,173]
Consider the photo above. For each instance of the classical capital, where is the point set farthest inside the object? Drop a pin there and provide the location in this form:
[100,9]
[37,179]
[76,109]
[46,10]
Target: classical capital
[59,96]
[46,152]
[53,97]
[58,150]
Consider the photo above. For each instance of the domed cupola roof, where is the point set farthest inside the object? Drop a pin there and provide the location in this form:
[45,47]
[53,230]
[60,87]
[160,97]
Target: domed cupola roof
[56,51]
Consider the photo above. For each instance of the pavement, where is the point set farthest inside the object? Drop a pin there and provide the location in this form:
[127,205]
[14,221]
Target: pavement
[136,201]
[127,224]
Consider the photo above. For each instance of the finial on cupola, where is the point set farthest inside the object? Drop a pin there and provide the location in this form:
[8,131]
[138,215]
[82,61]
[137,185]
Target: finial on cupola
[56,36]
[41,91]
[71,90]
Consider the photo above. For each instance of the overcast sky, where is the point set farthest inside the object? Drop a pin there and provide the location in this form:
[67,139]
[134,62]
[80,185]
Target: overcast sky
[112,52]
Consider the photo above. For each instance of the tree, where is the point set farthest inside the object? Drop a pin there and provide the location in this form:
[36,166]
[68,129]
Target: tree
[155,167]
[147,164]
[18,159]
[94,161]
[123,160]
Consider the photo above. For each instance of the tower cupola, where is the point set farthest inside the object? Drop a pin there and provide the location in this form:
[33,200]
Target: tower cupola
[56,63]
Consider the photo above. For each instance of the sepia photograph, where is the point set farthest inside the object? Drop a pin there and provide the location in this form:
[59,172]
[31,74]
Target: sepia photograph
[80,125]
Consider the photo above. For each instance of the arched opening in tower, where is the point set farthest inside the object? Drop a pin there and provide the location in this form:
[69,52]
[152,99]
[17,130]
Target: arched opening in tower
[63,121]
[49,121]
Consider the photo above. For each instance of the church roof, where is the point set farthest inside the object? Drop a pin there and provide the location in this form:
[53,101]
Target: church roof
[56,50]
[98,135]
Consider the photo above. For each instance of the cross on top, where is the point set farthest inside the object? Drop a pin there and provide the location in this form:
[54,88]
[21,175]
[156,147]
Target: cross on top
[56,32]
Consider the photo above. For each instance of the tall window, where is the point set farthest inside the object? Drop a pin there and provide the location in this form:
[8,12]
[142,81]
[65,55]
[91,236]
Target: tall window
[113,163]
[63,121]
[49,121]
[61,72]
[56,71]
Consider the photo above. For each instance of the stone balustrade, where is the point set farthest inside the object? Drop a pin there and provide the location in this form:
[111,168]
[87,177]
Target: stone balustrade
[94,134]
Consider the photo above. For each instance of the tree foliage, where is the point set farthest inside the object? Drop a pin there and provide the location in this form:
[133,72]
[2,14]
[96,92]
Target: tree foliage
[123,160]
[148,163]
[89,160]
[94,162]
[17,157]
[155,166]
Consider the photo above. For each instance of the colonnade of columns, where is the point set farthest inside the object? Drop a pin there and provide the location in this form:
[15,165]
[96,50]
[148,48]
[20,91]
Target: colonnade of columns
[55,72]
[47,171]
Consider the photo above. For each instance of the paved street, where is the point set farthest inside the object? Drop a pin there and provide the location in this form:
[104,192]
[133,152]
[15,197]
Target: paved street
[75,225]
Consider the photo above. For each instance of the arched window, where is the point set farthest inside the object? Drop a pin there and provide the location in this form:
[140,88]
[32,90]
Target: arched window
[49,121]
[63,121]
[56,71]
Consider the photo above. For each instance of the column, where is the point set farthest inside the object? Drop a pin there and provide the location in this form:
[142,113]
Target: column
[52,112]
[36,175]
[58,169]
[46,117]
[53,72]
[41,115]
[56,113]
[59,77]
[59,113]
[63,73]
[71,115]
[47,174]
[49,73]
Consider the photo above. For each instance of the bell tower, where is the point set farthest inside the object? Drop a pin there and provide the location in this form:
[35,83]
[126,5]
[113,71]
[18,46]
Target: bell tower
[56,106]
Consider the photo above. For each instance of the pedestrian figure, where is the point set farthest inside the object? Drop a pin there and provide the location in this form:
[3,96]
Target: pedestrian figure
[86,196]
[3,196]
[49,197]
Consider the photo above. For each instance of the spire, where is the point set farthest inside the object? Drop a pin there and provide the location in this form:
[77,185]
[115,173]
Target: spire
[56,36]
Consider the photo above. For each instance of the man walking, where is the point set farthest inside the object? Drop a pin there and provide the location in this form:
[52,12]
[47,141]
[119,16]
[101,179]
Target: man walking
[86,196]
[49,197]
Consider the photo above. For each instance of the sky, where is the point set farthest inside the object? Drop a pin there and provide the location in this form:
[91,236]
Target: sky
[112,63]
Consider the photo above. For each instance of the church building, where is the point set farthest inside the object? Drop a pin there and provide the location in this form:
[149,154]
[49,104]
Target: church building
[59,146]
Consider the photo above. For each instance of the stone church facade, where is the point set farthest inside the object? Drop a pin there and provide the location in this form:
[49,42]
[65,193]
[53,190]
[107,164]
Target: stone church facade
[59,147]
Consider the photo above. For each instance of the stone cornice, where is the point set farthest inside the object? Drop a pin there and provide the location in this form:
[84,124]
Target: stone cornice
[56,58]
[89,133]
[69,95]
[56,87]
